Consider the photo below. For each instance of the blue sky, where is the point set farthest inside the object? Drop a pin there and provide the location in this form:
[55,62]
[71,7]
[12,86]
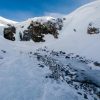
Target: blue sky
[22,9]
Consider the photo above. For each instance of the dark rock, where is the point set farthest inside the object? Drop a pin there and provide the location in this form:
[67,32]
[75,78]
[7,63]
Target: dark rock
[9,33]
[77,56]
[97,63]
[64,18]
[3,51]
[30,52]
[79,93]
[92,30]
[67,57]
[61,52]
[42,66]
[74,30]
[95,98]
[35,31]
[98,94]
[85,96]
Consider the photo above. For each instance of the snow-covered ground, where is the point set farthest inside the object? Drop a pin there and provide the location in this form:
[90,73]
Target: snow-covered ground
[4,21]
[23,74]
[56,71]
[80,42]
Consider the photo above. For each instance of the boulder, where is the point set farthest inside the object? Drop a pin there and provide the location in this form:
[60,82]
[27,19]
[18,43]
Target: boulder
[92,29]
[9,33]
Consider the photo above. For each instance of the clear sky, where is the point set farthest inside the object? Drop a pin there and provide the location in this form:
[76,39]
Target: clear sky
[22,9]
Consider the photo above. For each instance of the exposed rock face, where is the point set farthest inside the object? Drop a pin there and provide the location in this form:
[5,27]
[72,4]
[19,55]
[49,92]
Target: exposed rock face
[92,30]
[9,32]
[36,30]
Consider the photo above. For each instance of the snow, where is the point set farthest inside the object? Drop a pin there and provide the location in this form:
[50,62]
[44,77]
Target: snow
[80,42]
[4,21]
[21,78]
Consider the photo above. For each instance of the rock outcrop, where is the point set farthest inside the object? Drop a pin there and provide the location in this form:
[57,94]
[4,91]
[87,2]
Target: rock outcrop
[92,30]
[36,30]
[9,32]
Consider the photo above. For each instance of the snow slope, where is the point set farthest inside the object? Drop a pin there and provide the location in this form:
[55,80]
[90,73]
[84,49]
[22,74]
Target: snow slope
[23,74]
[80,42]
[4,22]
[26,71]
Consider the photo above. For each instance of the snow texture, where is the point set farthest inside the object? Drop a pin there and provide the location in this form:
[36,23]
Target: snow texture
[66,68]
